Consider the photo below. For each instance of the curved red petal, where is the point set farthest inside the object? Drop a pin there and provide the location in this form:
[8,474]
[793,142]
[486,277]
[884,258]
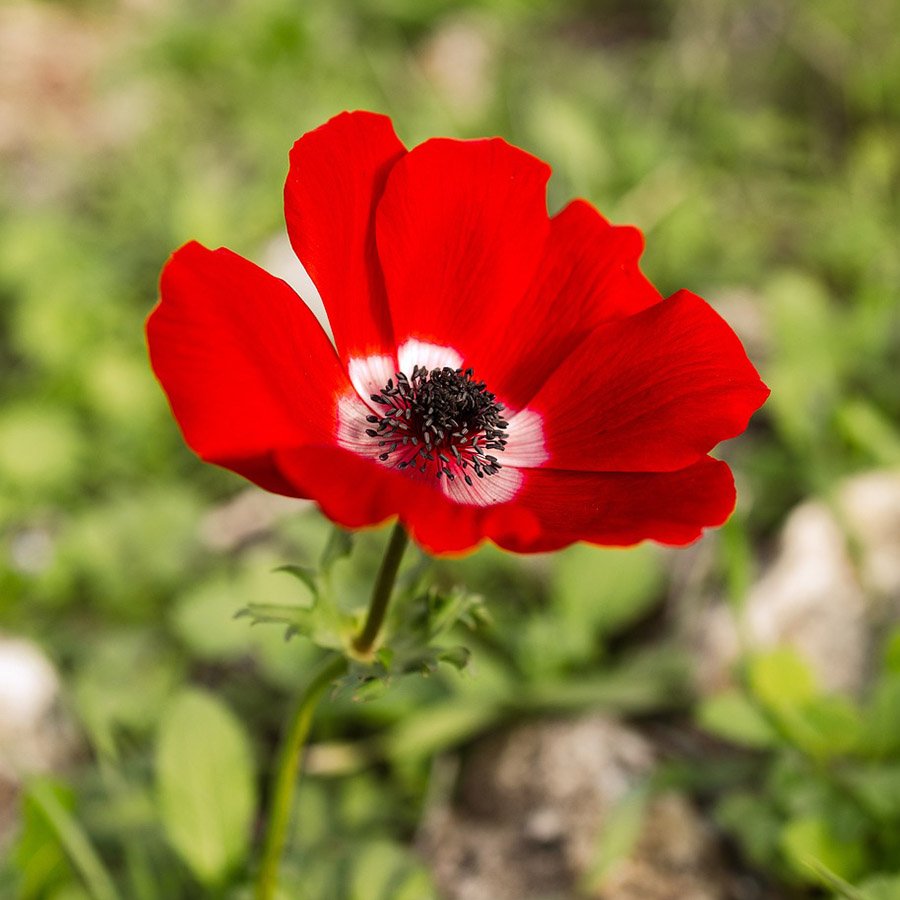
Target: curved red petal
[246,367]
[588,274]
[653,392]
[357,492]
[460,229]
[337,173]
[619,508]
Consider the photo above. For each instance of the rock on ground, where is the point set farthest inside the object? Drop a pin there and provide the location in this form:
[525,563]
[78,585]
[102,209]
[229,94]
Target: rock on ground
[35,736]
[832,586]
[529,812]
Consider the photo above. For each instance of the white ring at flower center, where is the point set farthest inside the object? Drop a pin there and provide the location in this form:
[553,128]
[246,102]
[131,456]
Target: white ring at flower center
[525,434]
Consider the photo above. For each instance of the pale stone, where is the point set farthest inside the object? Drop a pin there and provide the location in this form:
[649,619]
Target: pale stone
[530,810]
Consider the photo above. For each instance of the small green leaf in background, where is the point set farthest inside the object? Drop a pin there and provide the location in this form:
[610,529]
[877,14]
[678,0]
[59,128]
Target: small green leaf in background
[752,818]
[730,715]
[881,718]
[384,871]
[892,652]
[822,726]
[596,593]
[837,884]
[781,678]
[877,787]
[808,842]
[206,785]
[51,839]
[618,836]
[881,887]
[608,589]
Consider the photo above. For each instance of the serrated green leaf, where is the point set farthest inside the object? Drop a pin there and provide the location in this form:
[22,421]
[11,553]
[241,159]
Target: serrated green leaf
[370,689]
[299,617]
[206,785]
[458,657]
[311,622]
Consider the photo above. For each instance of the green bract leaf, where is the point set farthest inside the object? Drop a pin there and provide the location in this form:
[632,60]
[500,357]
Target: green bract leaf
[305,575]
[433,613]
[309,621]
[206,785]
[458,657]
[338,546]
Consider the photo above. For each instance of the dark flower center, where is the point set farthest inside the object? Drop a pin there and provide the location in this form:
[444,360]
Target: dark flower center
[441,421]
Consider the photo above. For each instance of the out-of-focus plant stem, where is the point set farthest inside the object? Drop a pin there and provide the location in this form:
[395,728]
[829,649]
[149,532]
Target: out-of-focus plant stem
[288,763]
[285,782]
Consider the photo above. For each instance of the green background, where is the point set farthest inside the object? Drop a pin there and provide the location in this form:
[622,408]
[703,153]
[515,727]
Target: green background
[756,144]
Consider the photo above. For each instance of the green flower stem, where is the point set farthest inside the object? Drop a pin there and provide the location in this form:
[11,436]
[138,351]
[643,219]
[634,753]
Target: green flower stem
[289,756]
[381,593]
[285,781]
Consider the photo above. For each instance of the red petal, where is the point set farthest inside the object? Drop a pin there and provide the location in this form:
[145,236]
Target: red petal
[246,367]
[618,509]
[652,392]
[356,492]
[588,274]
[460,230]
[337,174]
[554,509]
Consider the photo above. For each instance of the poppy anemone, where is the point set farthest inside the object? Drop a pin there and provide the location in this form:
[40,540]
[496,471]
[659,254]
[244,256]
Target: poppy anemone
[496,372]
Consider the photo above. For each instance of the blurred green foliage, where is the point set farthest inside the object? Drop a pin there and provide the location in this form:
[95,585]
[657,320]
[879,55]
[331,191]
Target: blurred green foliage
[754,143]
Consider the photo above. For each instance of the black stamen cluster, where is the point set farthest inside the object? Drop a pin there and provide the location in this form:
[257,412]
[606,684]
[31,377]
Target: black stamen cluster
[433,416]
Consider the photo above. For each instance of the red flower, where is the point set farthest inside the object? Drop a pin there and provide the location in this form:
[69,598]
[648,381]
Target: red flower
[499,373]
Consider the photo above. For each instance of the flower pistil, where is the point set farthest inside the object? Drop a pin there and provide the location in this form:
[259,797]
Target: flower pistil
[440,420]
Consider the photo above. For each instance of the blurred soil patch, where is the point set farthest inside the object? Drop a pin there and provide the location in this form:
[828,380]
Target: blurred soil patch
[58,104]
[536,804]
